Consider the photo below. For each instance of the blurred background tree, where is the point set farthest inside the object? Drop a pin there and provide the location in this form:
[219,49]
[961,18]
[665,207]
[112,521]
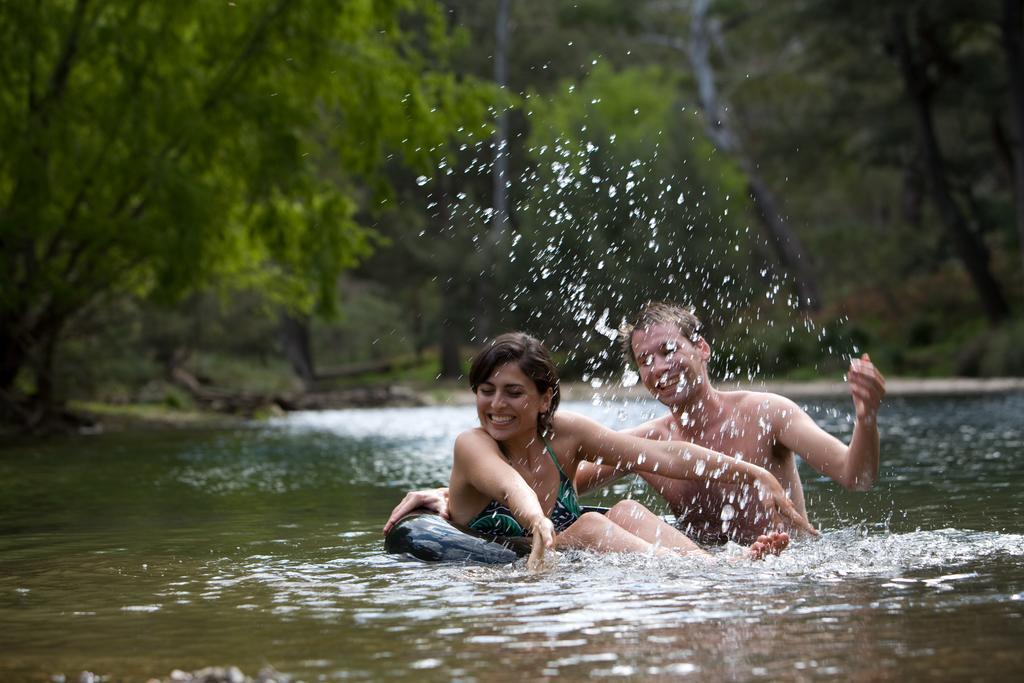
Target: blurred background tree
[287,195]
[159,150]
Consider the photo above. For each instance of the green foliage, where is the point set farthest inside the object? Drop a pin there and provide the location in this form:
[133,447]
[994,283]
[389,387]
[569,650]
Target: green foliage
[121,353]
[374,326]
[177,399]
[778,346]
[1004,352]
[628,203]
[995,353]
[159,149]
[174,175]
[247,373]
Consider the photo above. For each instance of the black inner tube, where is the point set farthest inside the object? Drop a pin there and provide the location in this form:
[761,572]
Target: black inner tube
[428,537]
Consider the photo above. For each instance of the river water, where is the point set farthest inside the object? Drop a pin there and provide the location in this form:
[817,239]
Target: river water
[133,554]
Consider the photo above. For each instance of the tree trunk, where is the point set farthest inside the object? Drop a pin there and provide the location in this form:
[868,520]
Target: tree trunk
[419,334]
[12,355]
[297,348]
[44,370]
[34,349]
[969,247]
[501,147]
[492,244]
[12,359]
[1013,43]
[451,266]
[785,244]
[451,360]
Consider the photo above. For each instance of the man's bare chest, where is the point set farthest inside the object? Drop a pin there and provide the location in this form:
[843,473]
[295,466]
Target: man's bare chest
[742,442]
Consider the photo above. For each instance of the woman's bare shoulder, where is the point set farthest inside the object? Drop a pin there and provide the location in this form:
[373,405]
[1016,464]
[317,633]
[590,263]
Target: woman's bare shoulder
[568,421]
[473,440]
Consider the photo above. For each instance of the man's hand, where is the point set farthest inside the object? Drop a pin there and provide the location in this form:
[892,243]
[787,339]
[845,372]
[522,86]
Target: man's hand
[781,510]
[867,385]
[432,499]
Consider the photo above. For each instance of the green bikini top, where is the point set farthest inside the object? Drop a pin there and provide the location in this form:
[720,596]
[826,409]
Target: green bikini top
[497,518]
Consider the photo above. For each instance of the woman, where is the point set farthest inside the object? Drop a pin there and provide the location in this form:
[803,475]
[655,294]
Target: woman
[514,473]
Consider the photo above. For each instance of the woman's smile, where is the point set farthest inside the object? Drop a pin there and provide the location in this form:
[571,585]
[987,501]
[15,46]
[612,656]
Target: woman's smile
[509,403]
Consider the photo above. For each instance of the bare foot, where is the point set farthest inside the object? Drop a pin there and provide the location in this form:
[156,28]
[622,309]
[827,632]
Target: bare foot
[771,543]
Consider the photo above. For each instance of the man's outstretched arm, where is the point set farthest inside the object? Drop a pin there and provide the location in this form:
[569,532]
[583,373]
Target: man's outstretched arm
[855,467]
[590,475]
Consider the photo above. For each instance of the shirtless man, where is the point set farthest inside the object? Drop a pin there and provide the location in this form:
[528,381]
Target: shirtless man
[762,428]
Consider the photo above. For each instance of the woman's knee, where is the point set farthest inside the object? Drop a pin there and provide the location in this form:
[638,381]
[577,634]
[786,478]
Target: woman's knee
[627,511]
[593,520]
[596,531]
[590,525]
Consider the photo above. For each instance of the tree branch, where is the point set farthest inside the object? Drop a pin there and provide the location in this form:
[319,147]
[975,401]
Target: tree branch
[62,69]
[785,243]
[255,38]
[174,148]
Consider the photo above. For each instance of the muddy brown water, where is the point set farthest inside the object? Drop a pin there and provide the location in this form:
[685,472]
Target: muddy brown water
[133,554]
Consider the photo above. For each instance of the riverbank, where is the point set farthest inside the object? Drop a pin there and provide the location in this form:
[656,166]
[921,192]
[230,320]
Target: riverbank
[119,417]
[942,386]
[896,387]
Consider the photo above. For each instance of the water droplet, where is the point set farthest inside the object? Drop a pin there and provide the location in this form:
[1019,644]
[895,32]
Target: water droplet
[728,513]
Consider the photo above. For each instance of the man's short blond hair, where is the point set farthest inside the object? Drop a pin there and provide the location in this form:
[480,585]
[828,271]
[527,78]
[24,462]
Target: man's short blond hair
[659,313]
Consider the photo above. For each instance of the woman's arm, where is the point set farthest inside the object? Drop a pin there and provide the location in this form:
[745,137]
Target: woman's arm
[589,476]
[679,460]
[479,468]
[435,500]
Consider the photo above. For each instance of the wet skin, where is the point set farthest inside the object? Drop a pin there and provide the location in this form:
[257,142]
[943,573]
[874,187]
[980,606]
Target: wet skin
[505,459]
[741,428]
[760,428]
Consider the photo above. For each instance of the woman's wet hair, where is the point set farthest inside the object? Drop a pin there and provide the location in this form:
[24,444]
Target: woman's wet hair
[659,313]
[531,356]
